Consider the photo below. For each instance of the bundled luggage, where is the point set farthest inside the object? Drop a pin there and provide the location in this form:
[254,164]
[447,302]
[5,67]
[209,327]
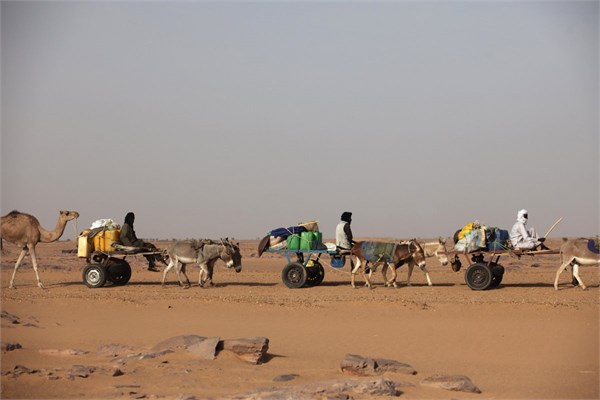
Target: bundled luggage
[303,236]
[474,236]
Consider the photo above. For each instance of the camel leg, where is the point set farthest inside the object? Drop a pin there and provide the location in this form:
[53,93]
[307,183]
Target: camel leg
[35,264]
[576,275]
[560,270]
[18,263]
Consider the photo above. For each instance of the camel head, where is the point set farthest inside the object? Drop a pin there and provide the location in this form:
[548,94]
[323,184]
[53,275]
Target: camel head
[68,215]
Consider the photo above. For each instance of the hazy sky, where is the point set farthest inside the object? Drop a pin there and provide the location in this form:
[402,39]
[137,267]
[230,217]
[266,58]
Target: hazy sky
[214,119]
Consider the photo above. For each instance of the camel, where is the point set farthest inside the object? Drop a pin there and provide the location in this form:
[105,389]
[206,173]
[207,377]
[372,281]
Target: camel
[576,252]
[25,230]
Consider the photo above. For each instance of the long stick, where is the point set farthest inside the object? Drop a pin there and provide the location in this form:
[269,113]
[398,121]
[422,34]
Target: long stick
[552,227]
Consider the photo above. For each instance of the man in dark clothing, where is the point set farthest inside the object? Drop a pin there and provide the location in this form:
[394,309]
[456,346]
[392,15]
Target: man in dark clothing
[128,238]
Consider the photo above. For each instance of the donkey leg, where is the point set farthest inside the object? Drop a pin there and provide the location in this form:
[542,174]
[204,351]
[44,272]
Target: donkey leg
[209,273]
[354,270]
[203,272]
[576,275]
[187,279]
[411,266]
[392,281]
[560,270]
[384,274]
[169,266]
[17,265]
[426,272]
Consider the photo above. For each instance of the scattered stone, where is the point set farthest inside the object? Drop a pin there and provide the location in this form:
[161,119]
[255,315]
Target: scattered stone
[251,350]
[334,390]
[383,365]
[186,397]
[179,342]
[154,354]
[356,365]
[136,395]
[19,370]
[80,371]
[118,372]
[141,356]
[63,352]
[10,346]
[13,319]
[458,383]
[285,377]
[205,349]
[113,349]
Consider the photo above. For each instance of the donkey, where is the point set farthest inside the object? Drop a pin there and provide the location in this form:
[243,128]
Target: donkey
[409,251]
[205,253]
[576,252]
[431,249]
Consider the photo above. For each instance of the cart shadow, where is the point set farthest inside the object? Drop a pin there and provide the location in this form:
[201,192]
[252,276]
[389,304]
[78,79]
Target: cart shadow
[544,285]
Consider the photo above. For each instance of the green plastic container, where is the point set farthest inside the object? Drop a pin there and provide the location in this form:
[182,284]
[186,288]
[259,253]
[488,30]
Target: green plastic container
[293,242]
[318,237]
[306,240]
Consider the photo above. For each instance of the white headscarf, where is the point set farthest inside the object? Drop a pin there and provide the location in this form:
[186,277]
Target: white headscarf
[521,216]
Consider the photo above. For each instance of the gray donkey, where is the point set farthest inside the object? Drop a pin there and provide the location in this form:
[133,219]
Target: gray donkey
[205,253]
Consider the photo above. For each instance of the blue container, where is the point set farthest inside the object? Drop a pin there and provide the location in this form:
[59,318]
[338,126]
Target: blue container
[338,261]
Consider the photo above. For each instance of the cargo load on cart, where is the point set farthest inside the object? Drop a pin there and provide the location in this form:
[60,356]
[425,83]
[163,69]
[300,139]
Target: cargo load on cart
[475,236]
[303,236]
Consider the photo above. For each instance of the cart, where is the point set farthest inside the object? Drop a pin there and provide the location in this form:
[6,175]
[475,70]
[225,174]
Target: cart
[111,266]
[482,274]
[306,270]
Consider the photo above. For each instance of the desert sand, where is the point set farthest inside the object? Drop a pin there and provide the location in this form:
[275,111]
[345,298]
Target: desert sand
[523,340]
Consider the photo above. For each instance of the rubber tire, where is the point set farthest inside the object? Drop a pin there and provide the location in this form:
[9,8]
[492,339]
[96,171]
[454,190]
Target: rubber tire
[497,275]
[478,276]
[294,275]
[94,276]
[118,271]
[315,274]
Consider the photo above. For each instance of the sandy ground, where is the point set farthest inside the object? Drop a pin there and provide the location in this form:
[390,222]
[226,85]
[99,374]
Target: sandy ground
[523,340]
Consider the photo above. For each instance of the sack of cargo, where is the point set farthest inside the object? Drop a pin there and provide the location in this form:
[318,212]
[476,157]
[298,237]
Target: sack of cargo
[498,239]
[310,226]
[285,232]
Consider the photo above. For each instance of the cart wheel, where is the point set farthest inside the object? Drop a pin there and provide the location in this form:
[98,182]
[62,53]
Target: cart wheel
[94,276]
[315,274]
[118,271]
[497,275]
[478,276]
[294,275]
